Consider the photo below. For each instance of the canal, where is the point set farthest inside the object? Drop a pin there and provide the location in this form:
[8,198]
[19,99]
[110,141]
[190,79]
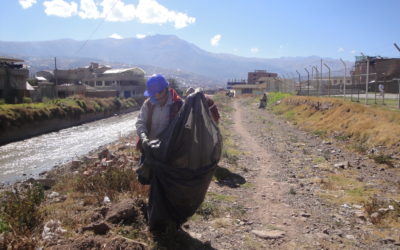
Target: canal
[28,158]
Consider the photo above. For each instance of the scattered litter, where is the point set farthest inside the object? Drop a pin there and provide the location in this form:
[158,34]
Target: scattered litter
[106,200]
[273,234]
[346,206]
[52,229]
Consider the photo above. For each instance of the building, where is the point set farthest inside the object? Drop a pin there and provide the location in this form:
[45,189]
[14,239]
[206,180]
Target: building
[97,81]
[255,89]
[13,80]
[233,82]
[381,71]
[126,82]
[252,77]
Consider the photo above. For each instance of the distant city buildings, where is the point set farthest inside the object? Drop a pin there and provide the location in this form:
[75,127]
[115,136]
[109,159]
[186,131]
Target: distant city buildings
[93,81]
[97,81]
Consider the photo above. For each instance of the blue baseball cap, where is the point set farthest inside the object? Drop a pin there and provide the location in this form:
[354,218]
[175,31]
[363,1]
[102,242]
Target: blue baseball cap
[155,84]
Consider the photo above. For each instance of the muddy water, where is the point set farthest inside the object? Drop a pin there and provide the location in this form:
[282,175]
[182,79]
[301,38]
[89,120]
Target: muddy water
[25,159]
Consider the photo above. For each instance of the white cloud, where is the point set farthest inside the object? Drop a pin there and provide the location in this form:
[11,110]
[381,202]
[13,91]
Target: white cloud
[353,51]
[150,11]
[254,50]
[115,36]
[26,3]
[88,9]
[146,11]
[215,40]
[117,11]
[140,36]
[60,8]
[340,50]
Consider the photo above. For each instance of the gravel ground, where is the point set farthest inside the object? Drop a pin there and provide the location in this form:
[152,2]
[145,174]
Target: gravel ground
[272,197]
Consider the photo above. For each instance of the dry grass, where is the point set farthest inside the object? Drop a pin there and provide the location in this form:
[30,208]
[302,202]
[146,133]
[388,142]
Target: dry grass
[340,188]
[359,123]
[23,212]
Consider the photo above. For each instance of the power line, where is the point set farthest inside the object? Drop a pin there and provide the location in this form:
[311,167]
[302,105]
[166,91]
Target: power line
[98,26]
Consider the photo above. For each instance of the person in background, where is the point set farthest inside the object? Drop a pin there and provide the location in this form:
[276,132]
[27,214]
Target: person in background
[211,105]
[157,111]
[263,101]
[381,88]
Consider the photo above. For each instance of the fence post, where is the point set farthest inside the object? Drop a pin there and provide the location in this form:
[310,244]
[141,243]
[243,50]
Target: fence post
[344,79]
[308,82]
[398,82]
[398,95]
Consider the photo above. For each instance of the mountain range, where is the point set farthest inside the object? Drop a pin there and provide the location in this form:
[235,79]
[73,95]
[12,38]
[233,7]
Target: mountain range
[165,54]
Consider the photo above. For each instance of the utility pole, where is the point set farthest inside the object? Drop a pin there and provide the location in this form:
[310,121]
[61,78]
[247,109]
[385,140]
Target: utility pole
[344,78]
[299,81]
[55,70]
[308,81]
[329,80]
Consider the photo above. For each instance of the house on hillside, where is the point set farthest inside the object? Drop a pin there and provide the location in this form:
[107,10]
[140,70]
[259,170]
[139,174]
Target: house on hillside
[13,80]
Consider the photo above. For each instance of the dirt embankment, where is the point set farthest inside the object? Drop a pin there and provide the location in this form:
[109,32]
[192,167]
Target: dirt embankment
[277,187]
[22,121]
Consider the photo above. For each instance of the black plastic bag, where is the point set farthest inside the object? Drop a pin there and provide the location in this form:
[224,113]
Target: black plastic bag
[183,162]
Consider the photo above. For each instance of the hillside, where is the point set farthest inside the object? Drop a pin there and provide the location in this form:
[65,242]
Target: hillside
[163,51]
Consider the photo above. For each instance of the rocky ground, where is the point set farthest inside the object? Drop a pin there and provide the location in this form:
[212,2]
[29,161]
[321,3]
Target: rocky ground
[273,197]
[277,188]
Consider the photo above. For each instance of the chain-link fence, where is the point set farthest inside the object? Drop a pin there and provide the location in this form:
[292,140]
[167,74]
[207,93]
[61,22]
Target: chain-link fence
[358,86]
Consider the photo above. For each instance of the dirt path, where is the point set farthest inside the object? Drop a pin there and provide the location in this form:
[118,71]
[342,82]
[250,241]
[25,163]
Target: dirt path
[271,196]
[268,193]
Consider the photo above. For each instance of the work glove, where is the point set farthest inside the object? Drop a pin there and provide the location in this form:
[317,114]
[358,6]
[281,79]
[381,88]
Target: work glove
[145,141]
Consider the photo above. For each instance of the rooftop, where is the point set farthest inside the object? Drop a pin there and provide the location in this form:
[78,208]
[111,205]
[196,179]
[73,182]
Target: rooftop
[8,59]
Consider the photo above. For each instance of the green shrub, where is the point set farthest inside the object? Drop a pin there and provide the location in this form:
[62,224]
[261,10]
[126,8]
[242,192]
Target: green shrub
[27,100]
[2,101]
[208,209]
[274,97]
[3,226]
[20,209]
[382,159]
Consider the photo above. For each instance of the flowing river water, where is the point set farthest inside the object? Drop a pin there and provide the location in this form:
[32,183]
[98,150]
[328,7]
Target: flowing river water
[28,158]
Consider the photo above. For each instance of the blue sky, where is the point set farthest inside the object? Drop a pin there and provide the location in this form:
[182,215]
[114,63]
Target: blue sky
[251,28]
